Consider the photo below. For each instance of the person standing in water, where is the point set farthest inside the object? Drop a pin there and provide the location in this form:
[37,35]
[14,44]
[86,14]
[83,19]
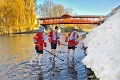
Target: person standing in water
[72,40]
[39,41]
[54,39]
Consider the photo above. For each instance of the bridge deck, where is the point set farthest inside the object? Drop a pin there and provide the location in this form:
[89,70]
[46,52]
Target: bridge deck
[67,19]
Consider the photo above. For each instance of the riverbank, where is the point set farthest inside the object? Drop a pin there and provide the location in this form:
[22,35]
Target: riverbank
[61,30]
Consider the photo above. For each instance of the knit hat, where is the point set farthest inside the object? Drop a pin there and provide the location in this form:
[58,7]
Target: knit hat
[41,28]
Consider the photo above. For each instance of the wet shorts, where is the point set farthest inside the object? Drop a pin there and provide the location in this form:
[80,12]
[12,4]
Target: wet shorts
[53,46]
[38,51]
[71,47]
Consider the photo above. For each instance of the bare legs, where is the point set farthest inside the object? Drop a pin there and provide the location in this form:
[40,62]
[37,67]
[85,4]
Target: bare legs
[72,53]
[52,54]
[68,53]
[35,57]
[40,58]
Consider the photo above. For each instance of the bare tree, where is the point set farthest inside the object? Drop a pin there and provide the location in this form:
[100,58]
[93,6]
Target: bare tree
[51,9]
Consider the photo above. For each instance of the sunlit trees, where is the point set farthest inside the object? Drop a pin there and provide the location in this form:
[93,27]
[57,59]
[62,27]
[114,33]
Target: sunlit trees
[16,15]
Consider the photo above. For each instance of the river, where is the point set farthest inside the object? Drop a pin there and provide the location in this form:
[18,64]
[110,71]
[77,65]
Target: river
[16,51]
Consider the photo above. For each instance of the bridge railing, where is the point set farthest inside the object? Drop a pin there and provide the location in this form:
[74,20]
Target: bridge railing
[72,21]
[67,19]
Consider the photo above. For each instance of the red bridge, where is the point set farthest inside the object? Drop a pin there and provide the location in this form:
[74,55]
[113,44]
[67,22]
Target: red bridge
[67,19]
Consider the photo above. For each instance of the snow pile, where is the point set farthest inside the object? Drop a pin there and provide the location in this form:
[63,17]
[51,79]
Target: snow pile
[103,52]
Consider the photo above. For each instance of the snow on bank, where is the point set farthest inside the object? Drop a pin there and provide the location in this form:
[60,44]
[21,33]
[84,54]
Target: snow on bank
[103,52]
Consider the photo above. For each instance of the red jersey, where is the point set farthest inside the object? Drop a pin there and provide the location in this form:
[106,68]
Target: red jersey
[39,40]
[72,39]
[53,37]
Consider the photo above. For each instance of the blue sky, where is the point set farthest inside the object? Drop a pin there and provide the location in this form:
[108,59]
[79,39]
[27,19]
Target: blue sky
[88,7]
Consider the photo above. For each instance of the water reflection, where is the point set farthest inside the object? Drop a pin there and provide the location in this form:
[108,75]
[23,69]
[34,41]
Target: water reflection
[15,48]
[71,69]
[40,75]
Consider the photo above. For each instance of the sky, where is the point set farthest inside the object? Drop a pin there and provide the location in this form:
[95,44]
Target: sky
[87,7]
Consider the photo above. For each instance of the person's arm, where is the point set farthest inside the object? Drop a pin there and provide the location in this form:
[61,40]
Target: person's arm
[35,39]
[38,38]
[49,37]
[77,36]
[58,36]
[68,36]
[58,39]
[45,44]
[77,41]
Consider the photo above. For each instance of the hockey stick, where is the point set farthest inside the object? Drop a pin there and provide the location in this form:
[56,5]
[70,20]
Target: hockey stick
[53,54]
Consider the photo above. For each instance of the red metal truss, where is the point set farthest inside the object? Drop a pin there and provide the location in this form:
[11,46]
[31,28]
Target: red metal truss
[71,20]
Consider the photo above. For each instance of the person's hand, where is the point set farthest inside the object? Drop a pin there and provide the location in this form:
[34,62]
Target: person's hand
[50,40]
[45,44]
[59,43]
[66,39]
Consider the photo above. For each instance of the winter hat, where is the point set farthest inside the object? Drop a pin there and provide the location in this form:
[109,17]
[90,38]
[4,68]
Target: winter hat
[41,28]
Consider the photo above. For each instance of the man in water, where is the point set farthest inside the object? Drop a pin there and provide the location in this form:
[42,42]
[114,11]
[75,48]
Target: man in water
[53,38]
[72,40]
[39,41]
